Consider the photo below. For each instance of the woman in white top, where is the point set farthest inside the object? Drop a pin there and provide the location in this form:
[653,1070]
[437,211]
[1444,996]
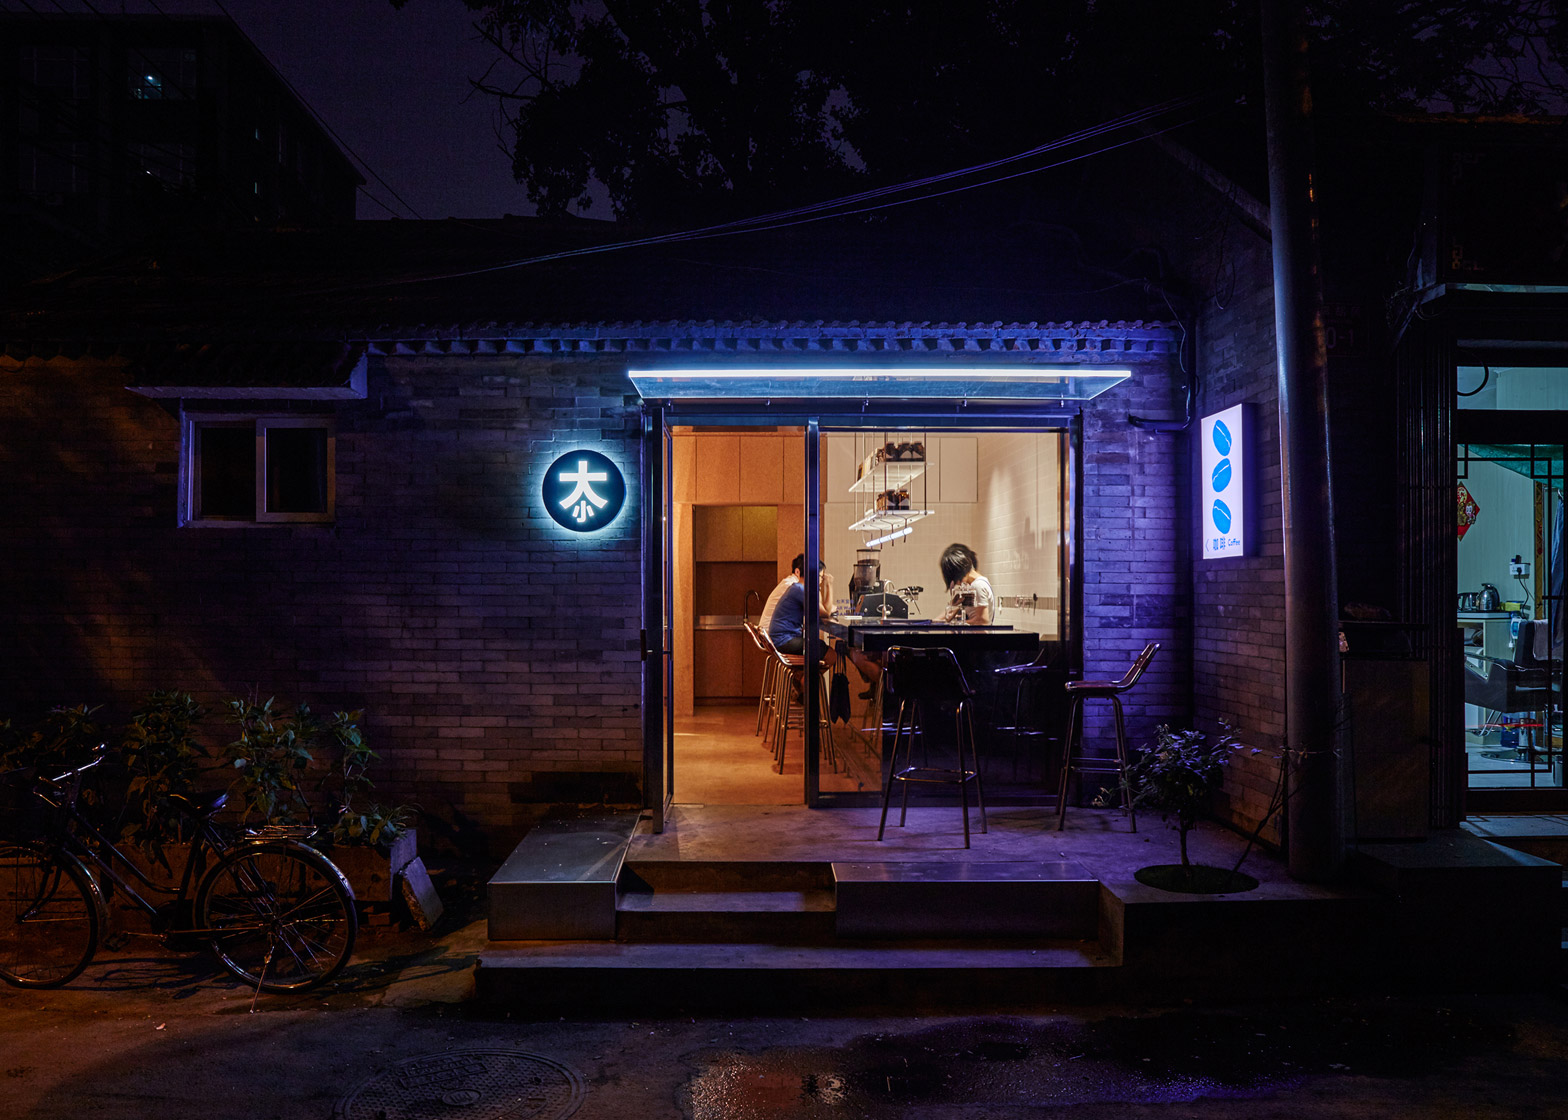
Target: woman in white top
[969,596]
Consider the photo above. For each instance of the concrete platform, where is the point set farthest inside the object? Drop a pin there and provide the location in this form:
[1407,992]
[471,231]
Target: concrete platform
[560,882]
[780,908]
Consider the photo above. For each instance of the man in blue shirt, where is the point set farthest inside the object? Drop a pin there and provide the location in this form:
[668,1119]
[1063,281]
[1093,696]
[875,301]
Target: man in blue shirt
[786,623]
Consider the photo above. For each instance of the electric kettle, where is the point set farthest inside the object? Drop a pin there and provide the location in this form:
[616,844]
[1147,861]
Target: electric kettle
[1488,599]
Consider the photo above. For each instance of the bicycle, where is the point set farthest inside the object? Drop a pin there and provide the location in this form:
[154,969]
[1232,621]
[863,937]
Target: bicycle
[276,912]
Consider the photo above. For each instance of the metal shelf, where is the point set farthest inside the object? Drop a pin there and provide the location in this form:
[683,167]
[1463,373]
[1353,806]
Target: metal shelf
[886,520]
[892,475]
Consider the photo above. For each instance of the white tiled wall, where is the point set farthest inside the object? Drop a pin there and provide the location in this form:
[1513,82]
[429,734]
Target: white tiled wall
[1019,538]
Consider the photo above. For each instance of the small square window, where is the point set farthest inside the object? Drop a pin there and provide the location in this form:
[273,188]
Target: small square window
[244,470]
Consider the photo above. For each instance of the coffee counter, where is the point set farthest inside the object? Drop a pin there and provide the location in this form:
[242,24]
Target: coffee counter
[873,635]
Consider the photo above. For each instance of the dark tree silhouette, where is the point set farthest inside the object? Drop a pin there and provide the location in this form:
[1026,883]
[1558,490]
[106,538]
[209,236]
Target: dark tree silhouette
[698,109]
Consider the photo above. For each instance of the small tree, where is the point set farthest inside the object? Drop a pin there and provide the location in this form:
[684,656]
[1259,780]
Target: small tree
[1179,775]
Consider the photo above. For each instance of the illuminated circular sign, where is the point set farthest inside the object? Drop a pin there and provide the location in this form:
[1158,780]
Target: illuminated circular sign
[584,491]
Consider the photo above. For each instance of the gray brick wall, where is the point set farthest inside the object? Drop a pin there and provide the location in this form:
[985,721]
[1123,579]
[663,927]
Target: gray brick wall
[1136,555]
[1239,604]
[496,655]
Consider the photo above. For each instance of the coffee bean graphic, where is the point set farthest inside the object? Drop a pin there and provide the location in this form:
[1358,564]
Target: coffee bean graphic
[1221,476]
[1221,437]
[1221,516]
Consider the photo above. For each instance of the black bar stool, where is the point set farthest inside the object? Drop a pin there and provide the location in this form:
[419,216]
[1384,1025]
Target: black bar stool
[1028,677]
[921,679]
[1077,693]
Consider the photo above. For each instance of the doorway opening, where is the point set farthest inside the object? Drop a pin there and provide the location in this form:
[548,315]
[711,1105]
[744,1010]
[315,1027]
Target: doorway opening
[736,523]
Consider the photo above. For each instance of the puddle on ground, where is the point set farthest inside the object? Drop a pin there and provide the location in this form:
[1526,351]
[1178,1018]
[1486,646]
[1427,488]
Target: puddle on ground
[1007,1062]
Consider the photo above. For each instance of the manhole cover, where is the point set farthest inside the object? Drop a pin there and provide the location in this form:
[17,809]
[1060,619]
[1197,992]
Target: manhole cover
[477,1084]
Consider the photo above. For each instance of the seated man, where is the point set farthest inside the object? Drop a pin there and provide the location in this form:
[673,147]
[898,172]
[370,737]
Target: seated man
[766,620]
[785,623]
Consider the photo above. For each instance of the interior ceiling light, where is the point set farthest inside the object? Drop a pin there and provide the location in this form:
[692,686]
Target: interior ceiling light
[890,537]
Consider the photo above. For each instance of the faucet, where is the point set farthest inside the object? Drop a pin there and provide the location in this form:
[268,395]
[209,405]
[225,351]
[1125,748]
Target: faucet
[745,611]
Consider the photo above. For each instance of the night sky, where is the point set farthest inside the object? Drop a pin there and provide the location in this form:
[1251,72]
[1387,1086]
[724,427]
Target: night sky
[390,83]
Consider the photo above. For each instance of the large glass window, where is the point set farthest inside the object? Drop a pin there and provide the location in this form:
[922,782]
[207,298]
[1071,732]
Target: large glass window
[1509,610]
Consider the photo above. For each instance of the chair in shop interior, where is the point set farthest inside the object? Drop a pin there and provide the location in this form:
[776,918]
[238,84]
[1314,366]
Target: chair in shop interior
[1077,693]
[1514,688]
[927,683]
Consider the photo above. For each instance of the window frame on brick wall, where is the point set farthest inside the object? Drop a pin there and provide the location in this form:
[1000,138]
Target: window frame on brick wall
[261,424]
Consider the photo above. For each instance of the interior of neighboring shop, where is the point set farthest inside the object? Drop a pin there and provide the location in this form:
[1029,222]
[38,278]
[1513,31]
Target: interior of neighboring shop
[1510,575]
[890,503]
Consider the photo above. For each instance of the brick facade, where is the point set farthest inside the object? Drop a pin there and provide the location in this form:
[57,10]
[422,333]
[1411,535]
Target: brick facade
[1238,648]
[496,660]
[496,655]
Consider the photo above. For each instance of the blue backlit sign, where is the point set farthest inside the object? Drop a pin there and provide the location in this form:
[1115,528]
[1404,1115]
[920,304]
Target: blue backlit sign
[1224,516]
[584,491]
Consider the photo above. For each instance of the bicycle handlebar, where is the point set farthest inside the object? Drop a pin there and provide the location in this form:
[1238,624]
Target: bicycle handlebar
[98,756]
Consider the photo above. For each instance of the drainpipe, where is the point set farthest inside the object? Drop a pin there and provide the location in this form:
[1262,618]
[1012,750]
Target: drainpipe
[1314,838]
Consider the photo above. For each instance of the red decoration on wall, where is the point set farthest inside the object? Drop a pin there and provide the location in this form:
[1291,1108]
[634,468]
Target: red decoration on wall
[1469,510]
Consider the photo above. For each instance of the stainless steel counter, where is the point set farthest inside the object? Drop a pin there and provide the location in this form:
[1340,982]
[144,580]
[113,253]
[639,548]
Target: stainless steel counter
[719,622]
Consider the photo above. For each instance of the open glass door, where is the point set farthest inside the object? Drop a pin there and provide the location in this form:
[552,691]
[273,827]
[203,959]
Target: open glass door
[1509,607]
[658,646]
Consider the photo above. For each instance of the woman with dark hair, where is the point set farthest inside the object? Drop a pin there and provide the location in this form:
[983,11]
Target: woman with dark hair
[970,599]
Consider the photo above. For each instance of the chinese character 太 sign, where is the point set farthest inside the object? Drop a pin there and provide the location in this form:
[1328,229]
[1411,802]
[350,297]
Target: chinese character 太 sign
[1224,515]
[583,491]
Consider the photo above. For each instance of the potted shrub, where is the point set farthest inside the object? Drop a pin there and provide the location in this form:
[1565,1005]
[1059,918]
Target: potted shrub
[1178,777]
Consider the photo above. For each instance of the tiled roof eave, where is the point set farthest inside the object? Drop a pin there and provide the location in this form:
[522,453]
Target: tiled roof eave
[1107,341]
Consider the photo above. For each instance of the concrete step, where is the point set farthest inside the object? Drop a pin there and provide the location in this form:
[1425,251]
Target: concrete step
[598,978]
[767,902]
[984,899]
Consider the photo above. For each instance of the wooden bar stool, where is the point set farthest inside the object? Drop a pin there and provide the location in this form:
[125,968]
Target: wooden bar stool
[1077,693]
[923,680]
[790,674]
[769,668]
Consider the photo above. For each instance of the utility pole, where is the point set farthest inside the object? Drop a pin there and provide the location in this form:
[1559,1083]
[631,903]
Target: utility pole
[1315,834]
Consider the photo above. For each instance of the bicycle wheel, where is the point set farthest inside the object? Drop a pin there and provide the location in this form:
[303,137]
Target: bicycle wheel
[279,915]
[49,917]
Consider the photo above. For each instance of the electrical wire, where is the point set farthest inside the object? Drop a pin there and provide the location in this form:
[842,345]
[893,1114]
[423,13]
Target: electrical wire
[816,212]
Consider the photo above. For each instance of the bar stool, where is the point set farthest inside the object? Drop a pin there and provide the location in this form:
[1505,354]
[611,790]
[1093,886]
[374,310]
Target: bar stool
[920,679]
[790,671]
[1077,693]
[1029,675]
[769,668]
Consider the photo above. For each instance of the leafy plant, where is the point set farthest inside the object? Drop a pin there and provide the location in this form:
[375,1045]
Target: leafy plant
[1179,775]
[294,768]
[63,739]
[164,760]
[373,823]
[271,759]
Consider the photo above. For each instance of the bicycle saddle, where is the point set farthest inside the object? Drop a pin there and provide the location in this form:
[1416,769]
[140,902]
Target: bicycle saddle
[202,805]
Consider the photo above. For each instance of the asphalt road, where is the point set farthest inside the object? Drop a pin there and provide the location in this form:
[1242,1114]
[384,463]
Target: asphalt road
[148,1034]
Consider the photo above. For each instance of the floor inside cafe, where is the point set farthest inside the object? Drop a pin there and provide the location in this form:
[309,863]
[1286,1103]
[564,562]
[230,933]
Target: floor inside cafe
[730,804]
